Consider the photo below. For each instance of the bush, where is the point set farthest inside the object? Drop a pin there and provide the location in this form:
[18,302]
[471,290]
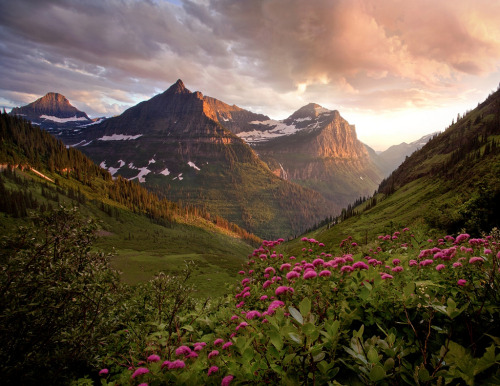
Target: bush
[57,300]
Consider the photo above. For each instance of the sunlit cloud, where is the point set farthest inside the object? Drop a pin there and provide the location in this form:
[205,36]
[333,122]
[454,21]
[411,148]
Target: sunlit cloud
[369,59]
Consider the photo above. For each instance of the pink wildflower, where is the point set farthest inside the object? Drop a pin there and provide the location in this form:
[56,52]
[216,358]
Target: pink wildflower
[317,262]
[286,266]
[412,263]
[165,364]
[253,314]
[226,345]
[292,275]
[177,364]
[213,353]
[325,273]
[241,325]
[266,284]
[140,371]
[346,268]
[220,341]
[396,262]
[457,264]
[270,270]
[153,358]
[212,370]
[182,350]
[104,372]
[263,297]
[309,274]
[226,381]
[281,290]
[241,272]
[385,276]
[462,282]
[397,269]
[360,265]
[461,238]
[473,260]
[192,354]
[439,267]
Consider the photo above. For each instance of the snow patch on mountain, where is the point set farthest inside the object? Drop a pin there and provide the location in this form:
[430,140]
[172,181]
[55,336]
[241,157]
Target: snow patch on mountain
[142,172]
[119,137]
[63,120]
[165,172]
[277,129]
[193,165]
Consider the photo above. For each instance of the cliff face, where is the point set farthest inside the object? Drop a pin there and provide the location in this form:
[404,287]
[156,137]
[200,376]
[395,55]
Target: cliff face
[322,151]
[53,108]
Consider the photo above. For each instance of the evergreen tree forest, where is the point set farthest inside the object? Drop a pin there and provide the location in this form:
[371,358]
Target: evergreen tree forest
[24,146]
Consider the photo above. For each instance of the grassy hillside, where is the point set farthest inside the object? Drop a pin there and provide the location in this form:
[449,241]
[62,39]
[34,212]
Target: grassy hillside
[451,185]
[145,234]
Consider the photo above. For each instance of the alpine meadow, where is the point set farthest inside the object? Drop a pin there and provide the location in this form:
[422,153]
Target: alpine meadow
[165,236]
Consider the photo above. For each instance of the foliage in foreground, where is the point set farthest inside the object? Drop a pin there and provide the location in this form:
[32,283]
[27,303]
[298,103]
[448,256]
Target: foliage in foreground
[56,299]
[400,313]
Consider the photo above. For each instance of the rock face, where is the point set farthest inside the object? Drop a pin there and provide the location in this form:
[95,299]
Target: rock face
[52,110]
[316,147]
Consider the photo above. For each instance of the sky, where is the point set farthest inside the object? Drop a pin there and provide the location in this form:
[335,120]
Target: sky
[396,69]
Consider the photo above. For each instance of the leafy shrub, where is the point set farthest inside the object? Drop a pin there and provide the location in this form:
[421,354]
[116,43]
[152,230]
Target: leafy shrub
[57,298]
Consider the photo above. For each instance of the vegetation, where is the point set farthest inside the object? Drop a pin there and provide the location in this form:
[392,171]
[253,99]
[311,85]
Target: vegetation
[323,318]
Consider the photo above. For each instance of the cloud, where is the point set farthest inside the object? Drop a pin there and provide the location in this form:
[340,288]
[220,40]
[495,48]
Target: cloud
[271,56]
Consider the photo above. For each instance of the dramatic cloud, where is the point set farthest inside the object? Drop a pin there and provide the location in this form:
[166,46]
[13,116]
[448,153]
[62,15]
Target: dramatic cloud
[367,58]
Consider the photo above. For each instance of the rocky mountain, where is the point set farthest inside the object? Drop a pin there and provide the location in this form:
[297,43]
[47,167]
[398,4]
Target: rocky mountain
[175,144]
[317,148]
[52,111]
[391,158]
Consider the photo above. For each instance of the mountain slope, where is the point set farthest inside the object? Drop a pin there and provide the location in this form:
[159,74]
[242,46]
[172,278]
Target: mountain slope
[392,157]
[175,144]
[452,184]
[146,233]
[317,148]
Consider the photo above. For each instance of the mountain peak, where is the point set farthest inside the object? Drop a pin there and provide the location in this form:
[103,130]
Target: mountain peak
[311,110]
[178,88]
[53,105]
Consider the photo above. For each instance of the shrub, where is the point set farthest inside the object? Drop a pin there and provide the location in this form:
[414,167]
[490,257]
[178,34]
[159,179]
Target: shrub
[57,299]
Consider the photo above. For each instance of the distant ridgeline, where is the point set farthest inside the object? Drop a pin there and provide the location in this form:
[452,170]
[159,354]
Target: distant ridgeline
[27,147]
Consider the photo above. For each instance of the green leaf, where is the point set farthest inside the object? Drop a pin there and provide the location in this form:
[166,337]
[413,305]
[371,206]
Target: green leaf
[295,337]
[188,327]
[389,364]
[276,339]
[305,307]
[377,373]
[319,357]
[296,315]
[424,375]
[368,285]
[372,355]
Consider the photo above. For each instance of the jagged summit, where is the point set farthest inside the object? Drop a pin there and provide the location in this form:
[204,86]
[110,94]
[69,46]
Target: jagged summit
[178,88]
